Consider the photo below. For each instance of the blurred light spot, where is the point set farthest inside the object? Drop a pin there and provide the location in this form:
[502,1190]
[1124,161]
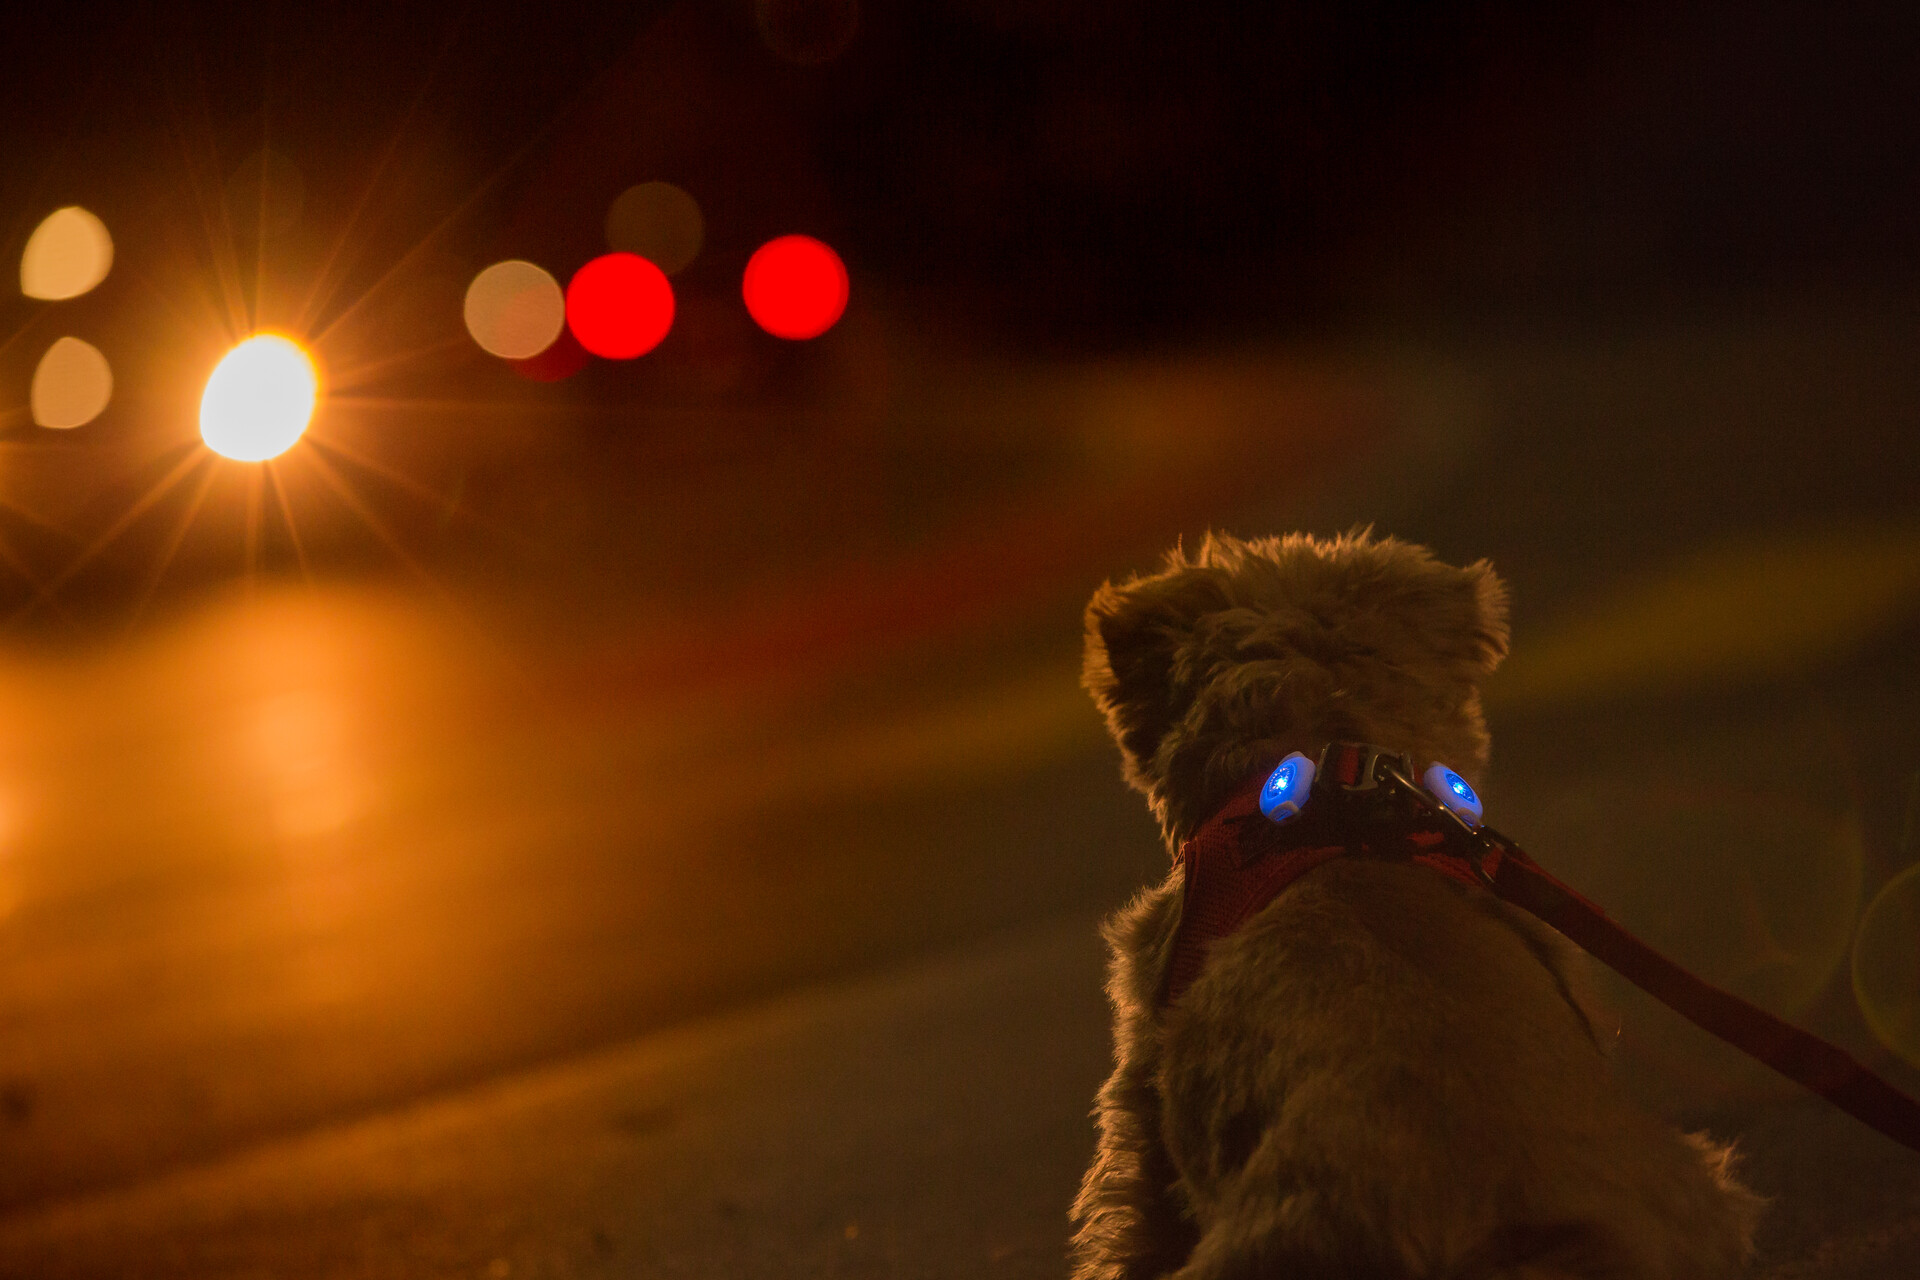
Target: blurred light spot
[265,195]
[658,221]
[619,306]
[795,287]
[1886,965]
[67,254]
[515,310]
[1002,731]
[71,386]
[808,32]
[259,399]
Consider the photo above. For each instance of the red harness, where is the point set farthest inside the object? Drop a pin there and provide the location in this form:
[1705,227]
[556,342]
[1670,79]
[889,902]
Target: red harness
[1239,861]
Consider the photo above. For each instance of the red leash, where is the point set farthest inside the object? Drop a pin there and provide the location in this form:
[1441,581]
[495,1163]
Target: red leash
[1801,1056]
[1231,873]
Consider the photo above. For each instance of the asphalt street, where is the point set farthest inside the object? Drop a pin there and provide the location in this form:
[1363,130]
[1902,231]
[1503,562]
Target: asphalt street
[928,1121]
[346,931]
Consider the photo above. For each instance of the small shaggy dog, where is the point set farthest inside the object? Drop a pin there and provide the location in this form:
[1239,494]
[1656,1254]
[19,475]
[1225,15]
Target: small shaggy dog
[1383,1073]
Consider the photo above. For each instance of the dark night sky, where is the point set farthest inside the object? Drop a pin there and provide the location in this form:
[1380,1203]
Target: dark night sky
[1030,183]
[1089,175]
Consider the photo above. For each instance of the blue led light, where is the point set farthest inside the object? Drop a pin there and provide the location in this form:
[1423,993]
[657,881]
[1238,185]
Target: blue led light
[1287,787]
[1452,791]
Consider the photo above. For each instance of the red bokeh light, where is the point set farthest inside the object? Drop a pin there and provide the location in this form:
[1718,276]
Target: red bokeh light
[619,306]
[795,287]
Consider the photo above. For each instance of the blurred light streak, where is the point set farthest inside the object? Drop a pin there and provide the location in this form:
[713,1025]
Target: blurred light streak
[1886,965]
[856,614]
[1027,722]
[44,594]
[67,255]
[338,483]
[399,480]
[360,373]
[259,399]
[1019,553]
[514,310]
[478,636]
[795,287]
[251,513]
[619,306]
[1729,615]
[216,231]
[322,290]
[293,528]
[71,385]
[170,547]
[324,280]
[658,221]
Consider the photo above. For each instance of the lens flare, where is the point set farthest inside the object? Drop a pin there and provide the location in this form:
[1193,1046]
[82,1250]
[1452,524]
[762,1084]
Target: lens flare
[259,399]
[1886,965]
[71,385]
[67,254]
[795,287]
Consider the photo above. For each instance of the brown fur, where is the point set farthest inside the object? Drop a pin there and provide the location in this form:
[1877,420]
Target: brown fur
[1383,1074]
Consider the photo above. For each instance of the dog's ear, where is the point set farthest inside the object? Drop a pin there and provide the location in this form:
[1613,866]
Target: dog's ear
[1136,633]
[1482,634]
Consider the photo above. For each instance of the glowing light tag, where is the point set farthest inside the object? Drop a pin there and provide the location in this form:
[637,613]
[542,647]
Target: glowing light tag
[1453,793]
[1287,787]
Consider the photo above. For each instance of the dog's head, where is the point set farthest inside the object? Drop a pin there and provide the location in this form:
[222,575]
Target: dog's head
[1242,651]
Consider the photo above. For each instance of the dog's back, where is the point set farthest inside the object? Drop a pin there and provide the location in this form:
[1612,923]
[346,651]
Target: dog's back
[1385,1067]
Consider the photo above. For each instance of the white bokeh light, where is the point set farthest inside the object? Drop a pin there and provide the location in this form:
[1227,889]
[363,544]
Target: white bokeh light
[259,399]
[514,310]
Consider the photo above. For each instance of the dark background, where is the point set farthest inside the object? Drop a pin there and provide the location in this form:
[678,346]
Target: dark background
[1007,182]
